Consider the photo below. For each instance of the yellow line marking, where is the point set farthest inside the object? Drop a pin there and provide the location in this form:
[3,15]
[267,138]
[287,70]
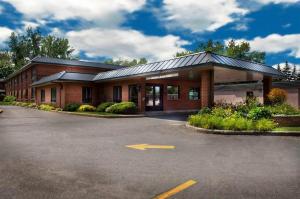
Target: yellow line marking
[148,146]
[177,189]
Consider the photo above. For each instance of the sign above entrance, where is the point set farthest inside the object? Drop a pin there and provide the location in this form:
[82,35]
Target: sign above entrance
[163,76]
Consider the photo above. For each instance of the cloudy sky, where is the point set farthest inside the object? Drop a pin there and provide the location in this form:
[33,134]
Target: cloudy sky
[157,29]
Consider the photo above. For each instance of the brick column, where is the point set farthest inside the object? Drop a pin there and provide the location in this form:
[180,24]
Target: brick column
[142,95]
[207,88]
[267,86]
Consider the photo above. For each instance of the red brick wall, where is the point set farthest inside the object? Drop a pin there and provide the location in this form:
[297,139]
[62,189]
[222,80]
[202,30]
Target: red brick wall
[48,95]
[182,104]
[67,93]
[46,70]
[42,70]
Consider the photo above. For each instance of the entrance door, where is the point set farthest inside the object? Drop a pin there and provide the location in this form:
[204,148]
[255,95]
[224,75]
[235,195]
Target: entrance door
[154,98]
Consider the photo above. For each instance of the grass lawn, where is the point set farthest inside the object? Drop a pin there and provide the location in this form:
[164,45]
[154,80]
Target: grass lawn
[287,129]
[5,103]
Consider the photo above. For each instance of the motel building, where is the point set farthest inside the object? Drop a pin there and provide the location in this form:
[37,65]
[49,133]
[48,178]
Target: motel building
[179,84]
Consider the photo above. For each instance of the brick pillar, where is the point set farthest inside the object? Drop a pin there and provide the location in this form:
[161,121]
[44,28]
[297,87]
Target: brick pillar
[142,94]
[207,88]
[267,86]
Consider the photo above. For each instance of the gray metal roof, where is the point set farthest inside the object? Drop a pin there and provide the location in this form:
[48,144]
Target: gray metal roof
[193,60]
[65,76]
[66,62]
[49,60]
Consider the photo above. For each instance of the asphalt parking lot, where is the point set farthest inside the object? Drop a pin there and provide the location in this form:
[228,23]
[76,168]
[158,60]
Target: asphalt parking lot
[53,155]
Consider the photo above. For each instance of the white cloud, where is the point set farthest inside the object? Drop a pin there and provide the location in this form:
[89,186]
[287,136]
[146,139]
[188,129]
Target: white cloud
[276,43]
[28,24]
[105,12]
[200,16]
[124,43]
[4,35]
[276,1]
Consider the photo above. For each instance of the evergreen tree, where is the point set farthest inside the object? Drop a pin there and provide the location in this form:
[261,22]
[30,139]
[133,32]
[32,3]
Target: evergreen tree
[287,71]
[278,68]
[294,73]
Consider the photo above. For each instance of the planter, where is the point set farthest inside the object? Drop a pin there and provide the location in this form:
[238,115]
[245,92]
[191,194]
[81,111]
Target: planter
[287,120]
[232,132]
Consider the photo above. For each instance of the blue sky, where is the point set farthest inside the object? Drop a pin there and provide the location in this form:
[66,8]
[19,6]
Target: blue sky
[157,29]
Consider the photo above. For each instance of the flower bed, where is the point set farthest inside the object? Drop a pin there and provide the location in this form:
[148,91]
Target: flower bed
[250,116]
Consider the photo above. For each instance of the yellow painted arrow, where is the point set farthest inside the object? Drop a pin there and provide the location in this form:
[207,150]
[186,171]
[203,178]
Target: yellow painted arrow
[176,190]
[148,146]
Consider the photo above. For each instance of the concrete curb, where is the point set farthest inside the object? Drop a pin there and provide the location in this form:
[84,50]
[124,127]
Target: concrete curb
[231,132]
[100,116]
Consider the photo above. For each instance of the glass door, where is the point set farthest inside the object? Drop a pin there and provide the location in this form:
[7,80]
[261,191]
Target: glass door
[154,98]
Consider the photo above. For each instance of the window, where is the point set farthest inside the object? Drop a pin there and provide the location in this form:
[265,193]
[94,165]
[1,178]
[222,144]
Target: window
[117,94]
[194,94]
[33,75]
[134,93]
[173,92]
[43,95]
[53,94]
[86,94]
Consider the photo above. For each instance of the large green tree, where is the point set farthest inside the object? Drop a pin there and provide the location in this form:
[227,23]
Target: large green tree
[32,43]
[6,65]
[125,62]
[232,49]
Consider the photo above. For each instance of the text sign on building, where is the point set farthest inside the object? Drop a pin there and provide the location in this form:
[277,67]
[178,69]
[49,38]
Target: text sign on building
[163,76]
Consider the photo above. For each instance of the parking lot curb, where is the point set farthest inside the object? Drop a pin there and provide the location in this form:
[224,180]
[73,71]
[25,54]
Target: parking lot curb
[231,132]
[100,116]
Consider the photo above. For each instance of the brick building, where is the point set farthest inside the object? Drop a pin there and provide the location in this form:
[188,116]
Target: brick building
[183,83]
[19,83]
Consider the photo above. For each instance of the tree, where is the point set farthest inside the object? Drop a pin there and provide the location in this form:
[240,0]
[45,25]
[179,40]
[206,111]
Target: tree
[232,49]
[278,68]
[56,47]
[6,65]
[287,71]
[32,43]
[124,62]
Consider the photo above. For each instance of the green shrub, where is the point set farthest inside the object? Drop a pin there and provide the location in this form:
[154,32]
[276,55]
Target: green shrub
[103,106]
[283,109]
[205,110]
[17,103]
[86,108]
[32,105]
[259,113]
[46,107]
[72,107]
[277,96]
[265,125]
[122,108]
[9,98]
[222,112]
[24,104]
